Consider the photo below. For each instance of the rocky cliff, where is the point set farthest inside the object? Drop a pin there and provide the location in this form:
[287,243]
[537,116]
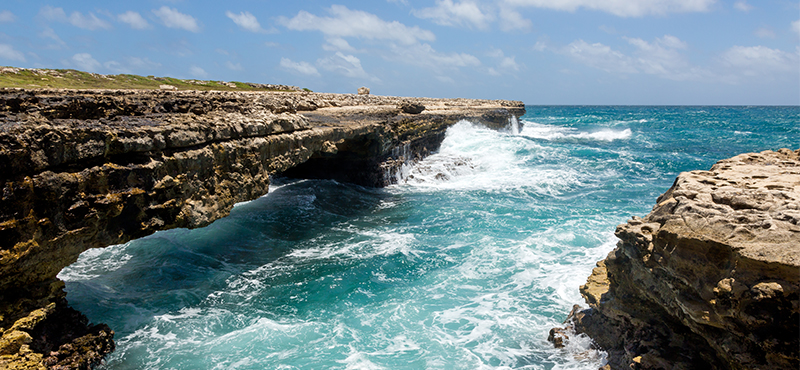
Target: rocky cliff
[710,279]
[87,169]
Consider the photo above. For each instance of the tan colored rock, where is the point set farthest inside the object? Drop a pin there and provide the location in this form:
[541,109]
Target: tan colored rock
[92,168]
[710,279]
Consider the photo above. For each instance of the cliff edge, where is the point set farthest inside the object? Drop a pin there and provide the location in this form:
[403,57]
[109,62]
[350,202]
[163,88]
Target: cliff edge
[710,279]
[83,169]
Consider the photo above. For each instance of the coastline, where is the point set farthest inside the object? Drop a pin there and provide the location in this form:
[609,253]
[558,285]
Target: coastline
[91,168]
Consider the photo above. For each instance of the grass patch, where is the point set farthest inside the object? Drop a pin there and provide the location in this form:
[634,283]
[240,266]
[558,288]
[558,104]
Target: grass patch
[73,79]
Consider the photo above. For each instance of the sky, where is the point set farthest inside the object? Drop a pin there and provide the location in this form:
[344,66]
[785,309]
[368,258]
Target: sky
[654,52]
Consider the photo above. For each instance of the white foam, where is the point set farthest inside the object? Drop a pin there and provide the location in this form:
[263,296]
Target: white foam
[551,132]
[96,262]
[473,157]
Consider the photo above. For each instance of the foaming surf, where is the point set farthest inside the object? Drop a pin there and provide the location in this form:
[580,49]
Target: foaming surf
[552,133]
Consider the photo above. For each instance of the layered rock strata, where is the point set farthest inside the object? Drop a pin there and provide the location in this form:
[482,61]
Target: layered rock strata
[710,279]
[87,169]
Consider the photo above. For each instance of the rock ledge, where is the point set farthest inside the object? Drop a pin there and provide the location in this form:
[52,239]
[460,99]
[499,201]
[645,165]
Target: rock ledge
[710,279]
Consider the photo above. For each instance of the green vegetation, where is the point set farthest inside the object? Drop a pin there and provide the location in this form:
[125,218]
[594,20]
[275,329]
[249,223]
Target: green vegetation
[72,79]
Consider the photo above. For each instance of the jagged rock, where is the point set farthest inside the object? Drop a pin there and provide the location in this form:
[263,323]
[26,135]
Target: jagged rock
[86,169]
[710,279]
[363,90]
[410,108]
[558,337]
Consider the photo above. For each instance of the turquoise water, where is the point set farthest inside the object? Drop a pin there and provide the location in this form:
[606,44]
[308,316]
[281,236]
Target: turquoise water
[466,264]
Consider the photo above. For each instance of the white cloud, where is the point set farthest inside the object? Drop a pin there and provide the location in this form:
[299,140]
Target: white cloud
[52,14]
[742,5]
[664,57]
[89,22]
[300,67]
[172,18]
[765,33]
[508,63]
[354,23]
[796,27]
[50,34]
[77,19]
[198,72]
[7,52]
[7,17]
[234,66]
[131,65]
[661,57]
[337,44]
[760,60]
[446,79]
[622,8]
[142,63]
[85,62]
[599,56]
[246,21]
[347,65]
[460,13]
[116,67]
[511,20]
[423,55]
[133,19]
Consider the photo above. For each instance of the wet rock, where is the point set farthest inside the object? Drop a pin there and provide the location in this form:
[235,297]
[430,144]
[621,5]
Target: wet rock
[558,337]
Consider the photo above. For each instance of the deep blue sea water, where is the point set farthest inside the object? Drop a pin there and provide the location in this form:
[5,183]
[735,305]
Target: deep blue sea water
[466,264]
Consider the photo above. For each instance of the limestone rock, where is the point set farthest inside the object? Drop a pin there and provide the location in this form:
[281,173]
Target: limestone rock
[710,279]
[363,90]
[410,107]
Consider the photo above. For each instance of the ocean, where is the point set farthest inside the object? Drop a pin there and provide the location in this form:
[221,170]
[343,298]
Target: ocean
[466,263]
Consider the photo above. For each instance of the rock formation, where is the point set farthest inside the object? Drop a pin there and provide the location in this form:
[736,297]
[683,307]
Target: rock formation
[710,279]
[87,169]
[410,108]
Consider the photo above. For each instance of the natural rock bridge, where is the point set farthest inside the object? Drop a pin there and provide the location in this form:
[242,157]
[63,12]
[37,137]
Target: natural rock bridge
[88,169]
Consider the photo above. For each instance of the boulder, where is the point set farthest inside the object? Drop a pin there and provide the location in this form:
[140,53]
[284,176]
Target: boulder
[363,90]
[410,107]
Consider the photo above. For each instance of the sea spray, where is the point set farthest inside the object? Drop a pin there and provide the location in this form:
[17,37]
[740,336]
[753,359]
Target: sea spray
[466,263]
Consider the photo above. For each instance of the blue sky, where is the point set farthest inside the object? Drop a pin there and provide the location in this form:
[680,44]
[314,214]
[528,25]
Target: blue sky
[537,51]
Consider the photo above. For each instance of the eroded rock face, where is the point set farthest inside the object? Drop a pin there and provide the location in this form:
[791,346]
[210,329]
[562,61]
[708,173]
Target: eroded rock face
[87,169]
[710,279]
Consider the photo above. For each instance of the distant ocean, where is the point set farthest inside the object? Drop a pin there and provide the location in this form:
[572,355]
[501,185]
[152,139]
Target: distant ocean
[465,264]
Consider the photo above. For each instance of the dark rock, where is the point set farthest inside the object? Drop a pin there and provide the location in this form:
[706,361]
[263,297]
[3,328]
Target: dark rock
[410,107]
